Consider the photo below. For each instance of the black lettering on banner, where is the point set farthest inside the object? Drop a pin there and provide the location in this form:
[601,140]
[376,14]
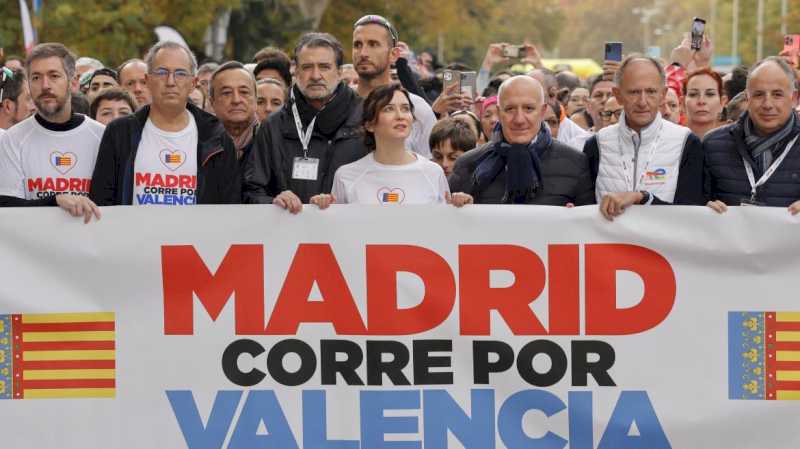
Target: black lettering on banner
[482,367]
[329,366]
[376,367]
[308,362]
[230,362]
[558,365]
[582,367]
[424,361]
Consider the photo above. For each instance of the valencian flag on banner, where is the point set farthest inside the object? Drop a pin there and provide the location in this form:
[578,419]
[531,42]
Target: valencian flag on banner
[58,355]
[764,355]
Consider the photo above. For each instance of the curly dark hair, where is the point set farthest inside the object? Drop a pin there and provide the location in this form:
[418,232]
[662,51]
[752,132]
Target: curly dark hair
[373,105]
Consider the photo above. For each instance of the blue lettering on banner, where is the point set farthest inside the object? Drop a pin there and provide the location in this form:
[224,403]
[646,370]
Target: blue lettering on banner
[441,414]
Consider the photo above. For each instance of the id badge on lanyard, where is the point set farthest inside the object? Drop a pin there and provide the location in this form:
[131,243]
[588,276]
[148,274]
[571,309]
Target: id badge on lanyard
[765,177]
[304,168]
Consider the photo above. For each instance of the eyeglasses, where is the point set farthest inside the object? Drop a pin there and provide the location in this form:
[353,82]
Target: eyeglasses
[7,74]
[378,20]
[608,114]
[163,74]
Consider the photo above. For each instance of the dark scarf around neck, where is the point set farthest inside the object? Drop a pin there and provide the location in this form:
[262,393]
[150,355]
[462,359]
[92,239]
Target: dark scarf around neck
[765,149]
[331,117]
[520,161]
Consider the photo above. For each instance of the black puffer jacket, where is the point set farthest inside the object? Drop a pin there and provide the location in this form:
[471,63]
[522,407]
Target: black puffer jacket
[268,169]
[565,178]
[726,178]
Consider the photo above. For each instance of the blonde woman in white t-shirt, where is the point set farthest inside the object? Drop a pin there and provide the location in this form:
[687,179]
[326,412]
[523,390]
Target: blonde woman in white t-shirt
[390,174]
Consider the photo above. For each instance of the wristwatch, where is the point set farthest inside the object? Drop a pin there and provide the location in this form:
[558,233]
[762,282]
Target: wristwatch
[645,197]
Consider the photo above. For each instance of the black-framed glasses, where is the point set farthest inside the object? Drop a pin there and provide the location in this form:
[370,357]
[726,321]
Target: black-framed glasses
[378,20]
[608,114]
[180,75]
[7,74]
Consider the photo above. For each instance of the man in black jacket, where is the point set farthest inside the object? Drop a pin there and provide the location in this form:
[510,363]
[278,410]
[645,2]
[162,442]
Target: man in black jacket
[756,160]
[299,148]
[523,164]
[170,152]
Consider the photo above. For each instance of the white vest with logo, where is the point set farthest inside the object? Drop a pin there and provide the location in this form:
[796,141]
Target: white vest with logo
[652,165]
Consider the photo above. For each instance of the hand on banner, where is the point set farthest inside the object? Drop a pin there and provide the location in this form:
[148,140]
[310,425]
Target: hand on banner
[458,199]
[614,204]
[323,200]
[720,207]
[289,201]
[794,208]
[78,206]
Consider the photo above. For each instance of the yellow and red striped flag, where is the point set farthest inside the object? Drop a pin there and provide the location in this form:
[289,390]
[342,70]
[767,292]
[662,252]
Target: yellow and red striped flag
[57,355]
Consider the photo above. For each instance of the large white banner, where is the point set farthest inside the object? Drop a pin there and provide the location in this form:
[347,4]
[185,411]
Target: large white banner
[400,328]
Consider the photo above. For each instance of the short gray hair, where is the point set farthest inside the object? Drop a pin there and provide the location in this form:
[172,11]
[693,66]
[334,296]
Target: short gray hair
[151,54]
[782,64]
[91,62]
[636,57]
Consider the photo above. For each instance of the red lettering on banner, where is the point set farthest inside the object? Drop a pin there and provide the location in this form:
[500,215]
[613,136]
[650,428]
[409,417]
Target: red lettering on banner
[35,184]
[315,263]
[478,299]
[563,289]
[384,317]
[602,263]
[241,273]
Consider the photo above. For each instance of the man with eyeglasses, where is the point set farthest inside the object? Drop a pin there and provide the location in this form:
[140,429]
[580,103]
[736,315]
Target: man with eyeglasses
[600,90]
[610,113]
[644,159]
[169,153]
[15,98]
[47,159]
[375,50]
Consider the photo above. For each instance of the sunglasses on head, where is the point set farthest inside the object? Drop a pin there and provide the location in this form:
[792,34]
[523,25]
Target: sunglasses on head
[7,74]
[378,20]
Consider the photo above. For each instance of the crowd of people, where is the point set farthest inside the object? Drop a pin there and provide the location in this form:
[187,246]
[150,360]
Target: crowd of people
[385,129]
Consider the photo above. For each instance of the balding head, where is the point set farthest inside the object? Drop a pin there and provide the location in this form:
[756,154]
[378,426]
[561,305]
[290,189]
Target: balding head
[521,103]
[772,94]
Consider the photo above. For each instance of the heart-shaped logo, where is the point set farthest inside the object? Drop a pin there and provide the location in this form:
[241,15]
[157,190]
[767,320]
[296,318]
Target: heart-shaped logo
[172,159]
[388,195]
[63,162]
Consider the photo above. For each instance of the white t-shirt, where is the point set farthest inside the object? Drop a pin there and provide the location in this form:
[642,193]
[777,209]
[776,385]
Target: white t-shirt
[36,162]
[569,133]
[419,139]
[367,181]
[165,170]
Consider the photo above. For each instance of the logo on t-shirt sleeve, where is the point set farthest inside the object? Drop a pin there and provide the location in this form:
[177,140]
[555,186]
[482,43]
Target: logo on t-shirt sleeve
[172,159]
[63,162]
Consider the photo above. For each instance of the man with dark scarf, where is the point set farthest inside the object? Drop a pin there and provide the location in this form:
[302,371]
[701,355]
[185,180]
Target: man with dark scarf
[232,90]
[298,149]
[756,160]
[523,164]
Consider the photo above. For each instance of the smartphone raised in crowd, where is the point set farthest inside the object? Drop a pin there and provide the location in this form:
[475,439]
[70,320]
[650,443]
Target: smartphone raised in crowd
[791,48]
[512,51]
[451,81]
[469,84]
[698,28]
[613,51]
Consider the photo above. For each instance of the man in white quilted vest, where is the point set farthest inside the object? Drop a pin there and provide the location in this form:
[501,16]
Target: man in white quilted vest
[644,159]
